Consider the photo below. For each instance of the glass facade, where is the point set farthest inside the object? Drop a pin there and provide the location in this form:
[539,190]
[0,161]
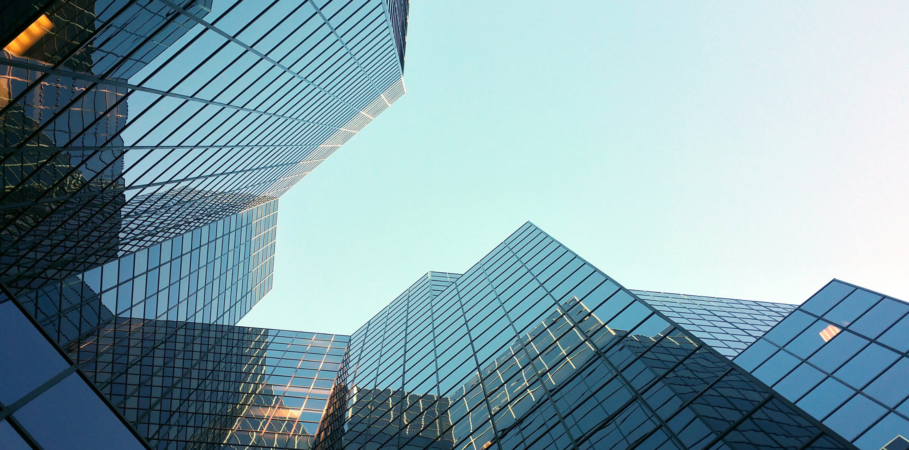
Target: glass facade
[727,325]
[193,385]
[214,274]
[842,357]
[145,145]
[46,401]
[535,348]
[128,123]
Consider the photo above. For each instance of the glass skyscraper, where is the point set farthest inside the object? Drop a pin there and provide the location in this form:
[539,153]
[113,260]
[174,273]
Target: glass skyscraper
[145,147]
[842,357]
[128,123]
[533,347]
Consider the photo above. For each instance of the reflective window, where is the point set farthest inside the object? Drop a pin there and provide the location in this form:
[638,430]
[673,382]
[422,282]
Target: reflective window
[866,365]
[812,339]
[776,367]
[10,438]
[827,298]
[789,328]
[837,351]
[851,307]
[756,354]
[855,416]
[892,429]
[892,387]
[898,335]
[27,360]
[880,318]
[825,398]
[800,381]
[80,420]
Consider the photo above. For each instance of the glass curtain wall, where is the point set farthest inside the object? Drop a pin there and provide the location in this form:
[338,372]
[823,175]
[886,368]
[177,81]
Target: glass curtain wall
[842,357]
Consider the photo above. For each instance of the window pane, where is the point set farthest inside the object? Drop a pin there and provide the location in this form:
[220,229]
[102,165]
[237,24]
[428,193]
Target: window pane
[789,328]
[27,359]
[80,420]
[892,428]
[866,365]
[756,354]
[825,398]
[10,439]
[874,322]
[774,369]
[855,416]
[893,386]
[897,336]
[852,307]
[837,351]
[811,339]
[827,298]
[800,381]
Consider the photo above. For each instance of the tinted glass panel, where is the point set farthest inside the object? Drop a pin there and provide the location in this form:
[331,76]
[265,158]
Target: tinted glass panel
[827,298]
[10,439]
[854,417]
[898,335]
[26,358]
[892,386]
[879,318]
[800,381]
[71,416]
[890,430]
[789,328]
[866,366]
[837,351]
[853,306]
[825,398]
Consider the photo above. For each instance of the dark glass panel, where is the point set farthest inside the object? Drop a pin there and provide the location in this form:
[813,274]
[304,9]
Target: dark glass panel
[756,354]
[897,336]
[776,367]
[890,434]
[71,416]
[825,398]
[789,328]
[879,318]
[855,416]
[800,381]
[10,438]
[853,306]
[812,338]
[866,366]
[827,298]
[27,359]
[837,351]
[892,386]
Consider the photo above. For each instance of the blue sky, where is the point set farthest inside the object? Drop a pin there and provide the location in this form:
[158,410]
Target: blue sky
[750,150]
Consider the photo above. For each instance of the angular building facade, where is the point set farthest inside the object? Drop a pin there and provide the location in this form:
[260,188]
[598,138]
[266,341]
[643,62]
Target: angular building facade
[145,147]
[535,348]
[129,123]
[842,357]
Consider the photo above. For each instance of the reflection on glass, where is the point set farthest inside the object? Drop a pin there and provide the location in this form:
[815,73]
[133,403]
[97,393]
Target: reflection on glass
[828,333]
[30,36]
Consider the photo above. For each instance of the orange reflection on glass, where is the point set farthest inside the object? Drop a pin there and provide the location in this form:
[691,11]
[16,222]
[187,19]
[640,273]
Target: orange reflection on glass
[828,333]
[30,36]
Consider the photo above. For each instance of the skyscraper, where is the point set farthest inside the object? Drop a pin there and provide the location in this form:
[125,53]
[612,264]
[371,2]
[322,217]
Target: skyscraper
[128,123]
[145,146]
[533,347]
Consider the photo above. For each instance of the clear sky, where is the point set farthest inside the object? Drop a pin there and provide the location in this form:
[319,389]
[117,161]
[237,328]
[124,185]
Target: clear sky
[751,150]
